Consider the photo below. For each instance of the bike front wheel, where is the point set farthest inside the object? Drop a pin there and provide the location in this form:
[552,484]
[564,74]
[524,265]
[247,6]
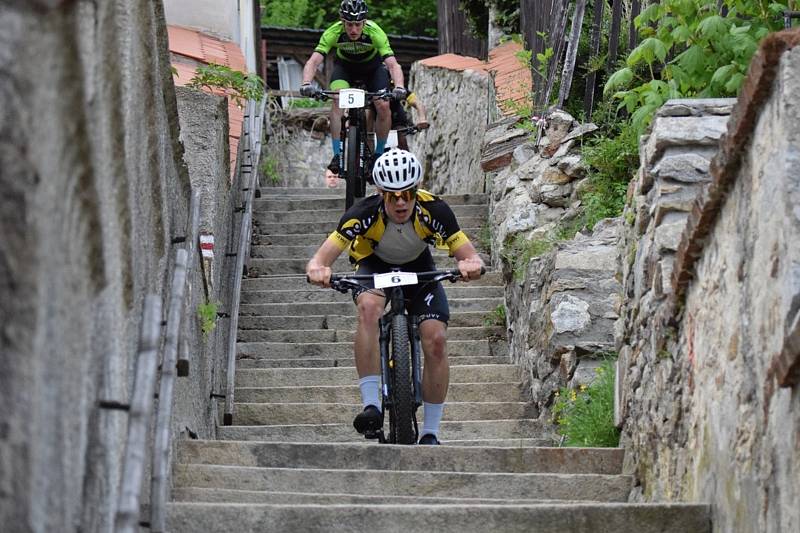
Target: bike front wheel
[401,409]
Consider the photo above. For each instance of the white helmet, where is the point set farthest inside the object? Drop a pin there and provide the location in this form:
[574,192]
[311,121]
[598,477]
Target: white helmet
[397,170]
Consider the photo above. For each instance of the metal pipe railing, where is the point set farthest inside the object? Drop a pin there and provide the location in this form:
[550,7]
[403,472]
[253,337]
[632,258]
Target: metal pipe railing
[161,445]
[133,463]
[243,251]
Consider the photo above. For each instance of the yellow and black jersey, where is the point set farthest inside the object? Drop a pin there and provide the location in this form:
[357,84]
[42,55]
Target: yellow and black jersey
[362,226]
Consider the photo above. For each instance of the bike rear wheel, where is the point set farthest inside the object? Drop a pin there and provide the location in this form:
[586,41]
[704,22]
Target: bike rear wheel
[353,170]
[401,410]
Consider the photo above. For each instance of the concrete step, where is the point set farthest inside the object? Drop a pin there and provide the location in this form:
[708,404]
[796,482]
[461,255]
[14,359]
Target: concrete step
[449,431]
[317,294]
[333,362]
[194,494]
[318,234]
[342,322]
[278,251]
[341,350]
[294,228]
[592,487]
[505,443]
[257,414]
[324,202]
[346,307]
[286,377]
[398,457]
[315,214]
[269,192]
[297,282]
[341,335]
[464,518]
[457,392]
[259,266]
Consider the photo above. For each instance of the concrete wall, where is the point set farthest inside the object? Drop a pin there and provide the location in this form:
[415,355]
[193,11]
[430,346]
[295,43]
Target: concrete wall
[458,111]
[216,17]
[93,191]
[707,334]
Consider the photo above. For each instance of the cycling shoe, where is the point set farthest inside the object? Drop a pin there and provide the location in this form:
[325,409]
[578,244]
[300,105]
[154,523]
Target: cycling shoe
[429,438]
[368,420]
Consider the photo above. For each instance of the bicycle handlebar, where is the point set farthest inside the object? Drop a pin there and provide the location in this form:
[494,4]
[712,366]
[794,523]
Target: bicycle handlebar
[343,282]
[380,95]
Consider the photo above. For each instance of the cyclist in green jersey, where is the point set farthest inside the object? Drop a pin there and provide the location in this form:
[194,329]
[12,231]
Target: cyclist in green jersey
[362,54]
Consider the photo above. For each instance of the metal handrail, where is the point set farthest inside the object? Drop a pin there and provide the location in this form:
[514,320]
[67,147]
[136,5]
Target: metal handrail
[133,463]
[243,250]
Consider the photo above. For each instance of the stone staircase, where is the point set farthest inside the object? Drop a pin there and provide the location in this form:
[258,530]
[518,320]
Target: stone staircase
[293,462]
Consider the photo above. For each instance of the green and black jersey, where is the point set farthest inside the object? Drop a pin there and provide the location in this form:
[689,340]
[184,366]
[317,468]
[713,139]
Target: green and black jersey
[362,226]
[373,41]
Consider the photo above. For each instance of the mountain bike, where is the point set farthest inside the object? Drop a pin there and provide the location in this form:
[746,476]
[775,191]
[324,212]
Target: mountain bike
[356,155]
[400,349]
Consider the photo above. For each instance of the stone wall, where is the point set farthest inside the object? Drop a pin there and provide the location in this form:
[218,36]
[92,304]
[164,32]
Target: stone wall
[561,294]
[93,193]
[706,395]
[458,110]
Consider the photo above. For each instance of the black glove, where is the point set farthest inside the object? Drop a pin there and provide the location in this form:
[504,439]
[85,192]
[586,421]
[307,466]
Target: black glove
[307,90]
[400,93]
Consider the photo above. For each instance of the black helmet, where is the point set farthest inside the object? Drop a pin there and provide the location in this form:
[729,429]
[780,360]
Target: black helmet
[353,10]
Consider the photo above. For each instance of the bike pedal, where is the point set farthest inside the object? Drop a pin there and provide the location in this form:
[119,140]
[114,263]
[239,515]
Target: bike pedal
[375,434]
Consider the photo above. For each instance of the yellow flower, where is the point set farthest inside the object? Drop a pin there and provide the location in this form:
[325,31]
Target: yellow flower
[583,388]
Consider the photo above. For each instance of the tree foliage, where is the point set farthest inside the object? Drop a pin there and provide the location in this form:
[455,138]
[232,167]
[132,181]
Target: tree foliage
[691,49]
[410,17]
[477,12]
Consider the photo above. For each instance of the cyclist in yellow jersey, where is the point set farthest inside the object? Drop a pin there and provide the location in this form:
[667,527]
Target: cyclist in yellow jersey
[395,228]
[362,49]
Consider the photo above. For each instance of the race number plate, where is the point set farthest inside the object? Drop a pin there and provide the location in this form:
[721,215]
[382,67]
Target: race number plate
[351,98]
[395,279]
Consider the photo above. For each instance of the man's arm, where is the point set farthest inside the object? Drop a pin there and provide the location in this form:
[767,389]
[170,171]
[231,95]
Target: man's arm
[395,71]
[310,68]
[318,268]
[469,261]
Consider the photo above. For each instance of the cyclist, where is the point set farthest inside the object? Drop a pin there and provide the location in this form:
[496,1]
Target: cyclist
[400,118]
[394,228]
[362,50]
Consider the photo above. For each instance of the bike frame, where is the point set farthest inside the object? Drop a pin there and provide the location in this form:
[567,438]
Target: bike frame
[395,303]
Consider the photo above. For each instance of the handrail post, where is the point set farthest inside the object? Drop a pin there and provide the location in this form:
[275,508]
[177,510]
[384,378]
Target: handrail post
[127,517]
[161,446]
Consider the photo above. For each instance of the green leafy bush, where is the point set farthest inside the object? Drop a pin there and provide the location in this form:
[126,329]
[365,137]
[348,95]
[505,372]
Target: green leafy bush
[585,417]
[207,313]
[612,162]
[237,84]
[691,49]
[306,103]
[518,252]
[495,317]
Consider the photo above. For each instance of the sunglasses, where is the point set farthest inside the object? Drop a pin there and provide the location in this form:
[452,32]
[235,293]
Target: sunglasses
[392,197]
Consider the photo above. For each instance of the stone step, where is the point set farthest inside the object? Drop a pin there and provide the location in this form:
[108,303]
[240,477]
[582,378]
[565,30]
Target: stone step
[257,414]
[268,192]
[317,294]
[457,392]
[397,457]
[347,308]
[464,518]
[341,335]
[333,362]
[294,228]
[318,234]
[279,251]
[259,266]
[194,494]
[592,487]
[297,282]
[343,322]
[324,202]
[449,431]
[505,443]
[342,350]
[314,214]
[286,377]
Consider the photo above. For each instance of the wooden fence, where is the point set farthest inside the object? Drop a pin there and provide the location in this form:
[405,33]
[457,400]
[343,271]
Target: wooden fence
[544,25]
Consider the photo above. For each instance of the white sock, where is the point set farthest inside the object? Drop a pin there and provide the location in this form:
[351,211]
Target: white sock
[433,416]
[370,391]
